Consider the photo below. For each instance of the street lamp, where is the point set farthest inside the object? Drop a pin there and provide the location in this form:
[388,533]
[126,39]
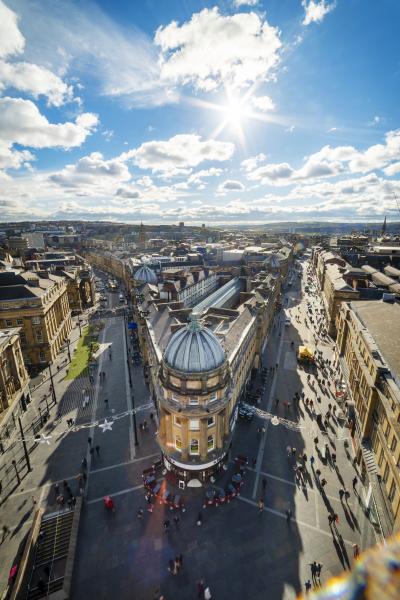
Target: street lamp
[66,341]
[134,420]
[53,391]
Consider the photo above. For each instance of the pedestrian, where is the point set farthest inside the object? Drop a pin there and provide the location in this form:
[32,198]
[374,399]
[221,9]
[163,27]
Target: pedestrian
[293,451]
[288,515]
[91,452]
[106,402]
[316,441]
[89,441]
[276,402]
[176,521]
[139,513]
[200,588]
[151,416]
[98,450]
[312,460]
[308,585]
[254,462]
[166,525]
[207,593]
[355,481]
[341,493]
[56,490]
[261,505]
[318,570]
[356,551]
[5,532]
[84,463]
[171,567]
[313,566]
[199,521]
[176,565]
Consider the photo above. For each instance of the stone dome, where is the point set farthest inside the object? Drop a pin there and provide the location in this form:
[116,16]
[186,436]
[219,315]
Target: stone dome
[145,275]
[194,349]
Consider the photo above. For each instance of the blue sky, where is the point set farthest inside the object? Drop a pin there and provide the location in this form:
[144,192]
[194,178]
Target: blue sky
[206,112]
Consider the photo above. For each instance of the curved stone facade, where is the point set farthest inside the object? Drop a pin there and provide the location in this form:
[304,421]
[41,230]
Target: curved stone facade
[194,411]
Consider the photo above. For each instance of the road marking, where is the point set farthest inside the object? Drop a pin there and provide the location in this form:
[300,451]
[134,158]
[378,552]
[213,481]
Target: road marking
[128,462]
[264,436]
[131,489]
[283,516]
[128,394]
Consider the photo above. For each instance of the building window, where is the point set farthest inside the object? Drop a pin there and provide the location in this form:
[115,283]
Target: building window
[387,431]
[36,320]
[178,443]
[212,398]
[386,473]
[9,323]
[393,445]
[380,460]
[42,357]
[194,446]
[210,421]
[210,443]
[392,491]
[177,421]
[175,399]
[39,335]
[194,424]
[193,401]
[20,321]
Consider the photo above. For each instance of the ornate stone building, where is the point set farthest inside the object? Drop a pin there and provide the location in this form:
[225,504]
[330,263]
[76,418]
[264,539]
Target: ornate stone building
[14,388]
[194,408]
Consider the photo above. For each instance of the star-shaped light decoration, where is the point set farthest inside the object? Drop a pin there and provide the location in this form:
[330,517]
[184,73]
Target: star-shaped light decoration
[44,439]
[106,426]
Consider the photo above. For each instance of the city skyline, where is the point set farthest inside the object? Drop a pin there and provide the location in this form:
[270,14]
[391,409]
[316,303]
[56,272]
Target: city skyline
[204,112]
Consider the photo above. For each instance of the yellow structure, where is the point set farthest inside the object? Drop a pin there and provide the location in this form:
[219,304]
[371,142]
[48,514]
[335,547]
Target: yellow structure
[368,343]
[14,379]
[37,302]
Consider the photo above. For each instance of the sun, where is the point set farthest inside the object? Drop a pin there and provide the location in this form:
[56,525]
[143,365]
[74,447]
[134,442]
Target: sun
[234,111]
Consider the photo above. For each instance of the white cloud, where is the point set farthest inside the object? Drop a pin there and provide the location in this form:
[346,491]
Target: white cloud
[180,151]
[34,80]
[290,129]
[239,3]
[22,123]
[249,164]
[24,76]
[230,185]
[11,39]
[212,49]
[392,169]
[195,178]
[331,129]
[92,171]
[316,11]
[263,103]
[375,121]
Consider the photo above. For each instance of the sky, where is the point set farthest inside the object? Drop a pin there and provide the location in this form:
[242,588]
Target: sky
[235,111]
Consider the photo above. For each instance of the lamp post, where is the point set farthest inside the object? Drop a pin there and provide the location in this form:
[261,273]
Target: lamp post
[68,350]
[53,391]
[26,453]
[79,325]
[134,420]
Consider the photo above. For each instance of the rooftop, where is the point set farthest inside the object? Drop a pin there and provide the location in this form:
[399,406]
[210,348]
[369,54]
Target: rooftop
[383,323]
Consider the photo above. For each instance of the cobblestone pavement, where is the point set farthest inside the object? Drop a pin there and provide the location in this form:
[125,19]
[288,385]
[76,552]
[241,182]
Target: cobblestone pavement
[239,551]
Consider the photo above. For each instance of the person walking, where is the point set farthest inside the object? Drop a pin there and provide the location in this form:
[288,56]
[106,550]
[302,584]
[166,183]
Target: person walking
[261,505]
[139,513]
[176,521]
[199,521]
[200,588]
[5,531]
[98,450]
[356,550]
[288,515]
[106,402]
[166,526]
[89,441]
[355,481]
[307,585]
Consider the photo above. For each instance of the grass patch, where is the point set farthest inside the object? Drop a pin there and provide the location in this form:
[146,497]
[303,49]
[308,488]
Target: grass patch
[86,347]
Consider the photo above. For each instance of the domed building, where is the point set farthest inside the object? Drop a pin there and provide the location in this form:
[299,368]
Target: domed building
[145,275]
[194,403]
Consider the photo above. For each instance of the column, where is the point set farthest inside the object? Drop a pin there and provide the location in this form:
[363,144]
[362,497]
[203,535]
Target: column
[203,439]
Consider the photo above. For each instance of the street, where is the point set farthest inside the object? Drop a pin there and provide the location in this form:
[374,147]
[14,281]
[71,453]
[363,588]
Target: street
[239,551]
